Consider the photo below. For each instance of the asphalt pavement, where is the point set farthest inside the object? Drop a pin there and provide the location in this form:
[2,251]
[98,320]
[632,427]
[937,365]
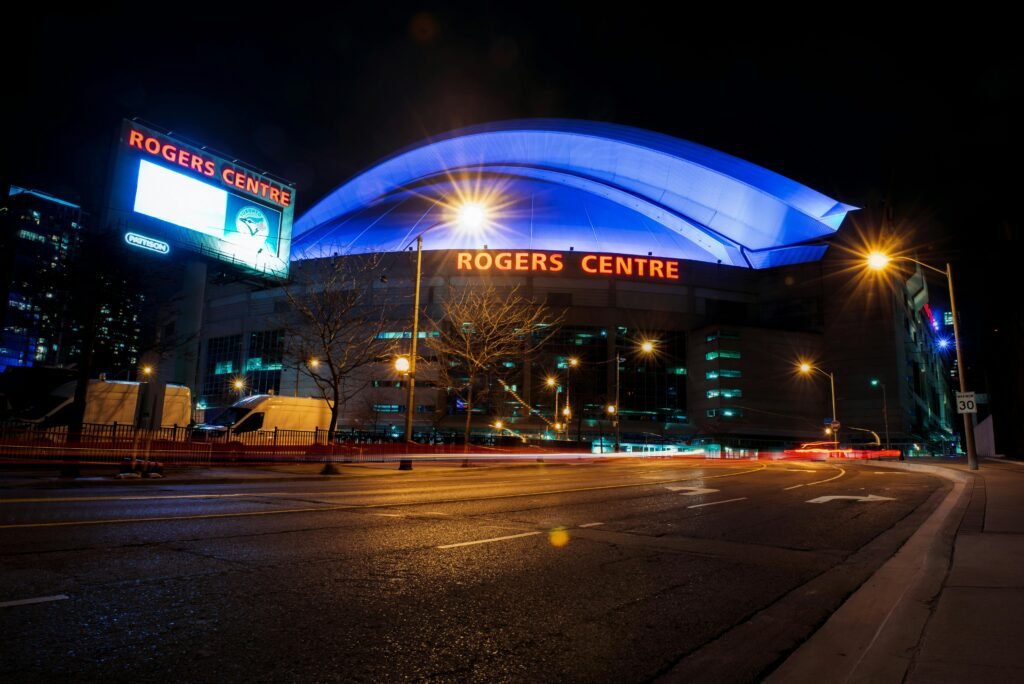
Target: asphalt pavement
[945,607]
[949,606]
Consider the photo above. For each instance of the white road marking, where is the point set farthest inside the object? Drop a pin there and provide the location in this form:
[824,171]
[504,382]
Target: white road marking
[389,515]
[808,484]
[715,503]
[869,497]
[488,541]
[40,599]
[692,491]
[1003,460]
[800,470]
[888,472]
[592,525]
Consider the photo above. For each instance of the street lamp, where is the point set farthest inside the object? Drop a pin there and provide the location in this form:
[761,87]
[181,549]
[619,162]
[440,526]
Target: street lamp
[239,385]
[147,371]
[612,414]
[471,216]
[573,362]
[807,368]
[311,364]
[879,261]
[553,383]
[647,347]
[875,382]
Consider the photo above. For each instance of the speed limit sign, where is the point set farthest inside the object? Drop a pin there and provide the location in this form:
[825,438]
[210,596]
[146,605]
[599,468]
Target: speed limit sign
[965,402]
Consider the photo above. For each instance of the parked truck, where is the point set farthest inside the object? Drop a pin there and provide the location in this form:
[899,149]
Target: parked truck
[267,412]
[111,401]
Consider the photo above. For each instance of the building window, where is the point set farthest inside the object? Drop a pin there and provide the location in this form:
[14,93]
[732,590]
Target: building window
[406,335]
[722,373]
[722,354]
[724,413]
[722,335]
[389,408]
[724,393]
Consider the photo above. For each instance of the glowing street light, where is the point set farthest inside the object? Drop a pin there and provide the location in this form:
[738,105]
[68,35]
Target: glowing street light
[312,363]
[402,364]
[878,261]
[472,217]
[806,369]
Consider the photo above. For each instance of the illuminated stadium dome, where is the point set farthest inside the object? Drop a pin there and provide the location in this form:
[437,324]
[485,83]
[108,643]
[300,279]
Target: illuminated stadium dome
[561,185]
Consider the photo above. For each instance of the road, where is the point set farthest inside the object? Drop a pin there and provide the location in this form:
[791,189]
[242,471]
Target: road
[618,571]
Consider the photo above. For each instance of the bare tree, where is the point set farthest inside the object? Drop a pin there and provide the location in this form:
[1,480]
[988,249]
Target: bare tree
[335,326]
[479,329]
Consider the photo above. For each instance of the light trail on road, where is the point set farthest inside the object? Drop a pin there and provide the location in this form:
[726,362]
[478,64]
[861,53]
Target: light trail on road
[343,507]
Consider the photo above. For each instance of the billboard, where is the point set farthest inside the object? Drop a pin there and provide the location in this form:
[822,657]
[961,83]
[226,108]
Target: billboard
[171,196]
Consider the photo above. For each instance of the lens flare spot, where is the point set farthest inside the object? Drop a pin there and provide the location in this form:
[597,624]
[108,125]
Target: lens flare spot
[558,537]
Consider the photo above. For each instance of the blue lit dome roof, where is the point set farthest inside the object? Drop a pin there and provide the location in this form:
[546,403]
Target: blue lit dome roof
[562,184]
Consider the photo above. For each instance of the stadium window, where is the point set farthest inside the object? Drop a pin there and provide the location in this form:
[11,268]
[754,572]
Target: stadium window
[722,335]
[722,354]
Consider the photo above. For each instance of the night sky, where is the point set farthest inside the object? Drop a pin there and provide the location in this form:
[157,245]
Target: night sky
[922,113]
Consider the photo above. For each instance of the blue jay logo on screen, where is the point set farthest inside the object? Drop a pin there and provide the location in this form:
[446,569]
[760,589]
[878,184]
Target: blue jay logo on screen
[252,226]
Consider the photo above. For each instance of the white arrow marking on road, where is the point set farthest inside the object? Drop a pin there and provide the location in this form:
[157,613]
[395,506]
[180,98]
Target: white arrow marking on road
[692,491]
[869,497]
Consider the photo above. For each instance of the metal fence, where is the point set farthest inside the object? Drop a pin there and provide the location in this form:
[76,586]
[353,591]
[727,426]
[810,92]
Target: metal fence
[178,445]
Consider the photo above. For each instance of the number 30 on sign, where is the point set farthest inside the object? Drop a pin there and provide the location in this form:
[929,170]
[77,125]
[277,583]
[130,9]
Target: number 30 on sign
[965,402]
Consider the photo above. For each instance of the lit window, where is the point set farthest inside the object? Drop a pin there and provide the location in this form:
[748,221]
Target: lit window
[722,335]
[722,354]
[724,413]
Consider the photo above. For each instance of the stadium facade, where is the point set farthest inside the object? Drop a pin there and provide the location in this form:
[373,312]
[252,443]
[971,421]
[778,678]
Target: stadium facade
[635,236]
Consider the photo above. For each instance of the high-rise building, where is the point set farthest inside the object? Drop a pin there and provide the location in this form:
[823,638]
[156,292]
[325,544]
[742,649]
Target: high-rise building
[39,237]
[51,289]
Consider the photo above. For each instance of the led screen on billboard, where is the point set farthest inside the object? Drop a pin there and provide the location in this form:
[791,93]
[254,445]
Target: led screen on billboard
[173,193]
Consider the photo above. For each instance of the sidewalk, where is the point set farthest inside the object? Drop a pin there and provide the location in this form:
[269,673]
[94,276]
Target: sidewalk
[948,607]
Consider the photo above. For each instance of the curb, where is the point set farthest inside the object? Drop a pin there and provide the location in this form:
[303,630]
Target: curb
[873,636]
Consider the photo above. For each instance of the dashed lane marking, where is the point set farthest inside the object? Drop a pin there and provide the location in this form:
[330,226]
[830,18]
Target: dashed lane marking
[488,541]
[592,525]
[715,503]
[811,484]
[39,599]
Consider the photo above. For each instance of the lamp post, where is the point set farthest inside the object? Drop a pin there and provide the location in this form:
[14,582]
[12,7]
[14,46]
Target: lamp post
[875,382]
[553,383]
[471,216]
[806,368]
[573,362]
[878,261]
[311,364]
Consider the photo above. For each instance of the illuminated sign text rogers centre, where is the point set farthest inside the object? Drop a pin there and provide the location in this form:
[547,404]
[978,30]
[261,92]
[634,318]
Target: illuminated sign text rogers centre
[200,203]
[651,267]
